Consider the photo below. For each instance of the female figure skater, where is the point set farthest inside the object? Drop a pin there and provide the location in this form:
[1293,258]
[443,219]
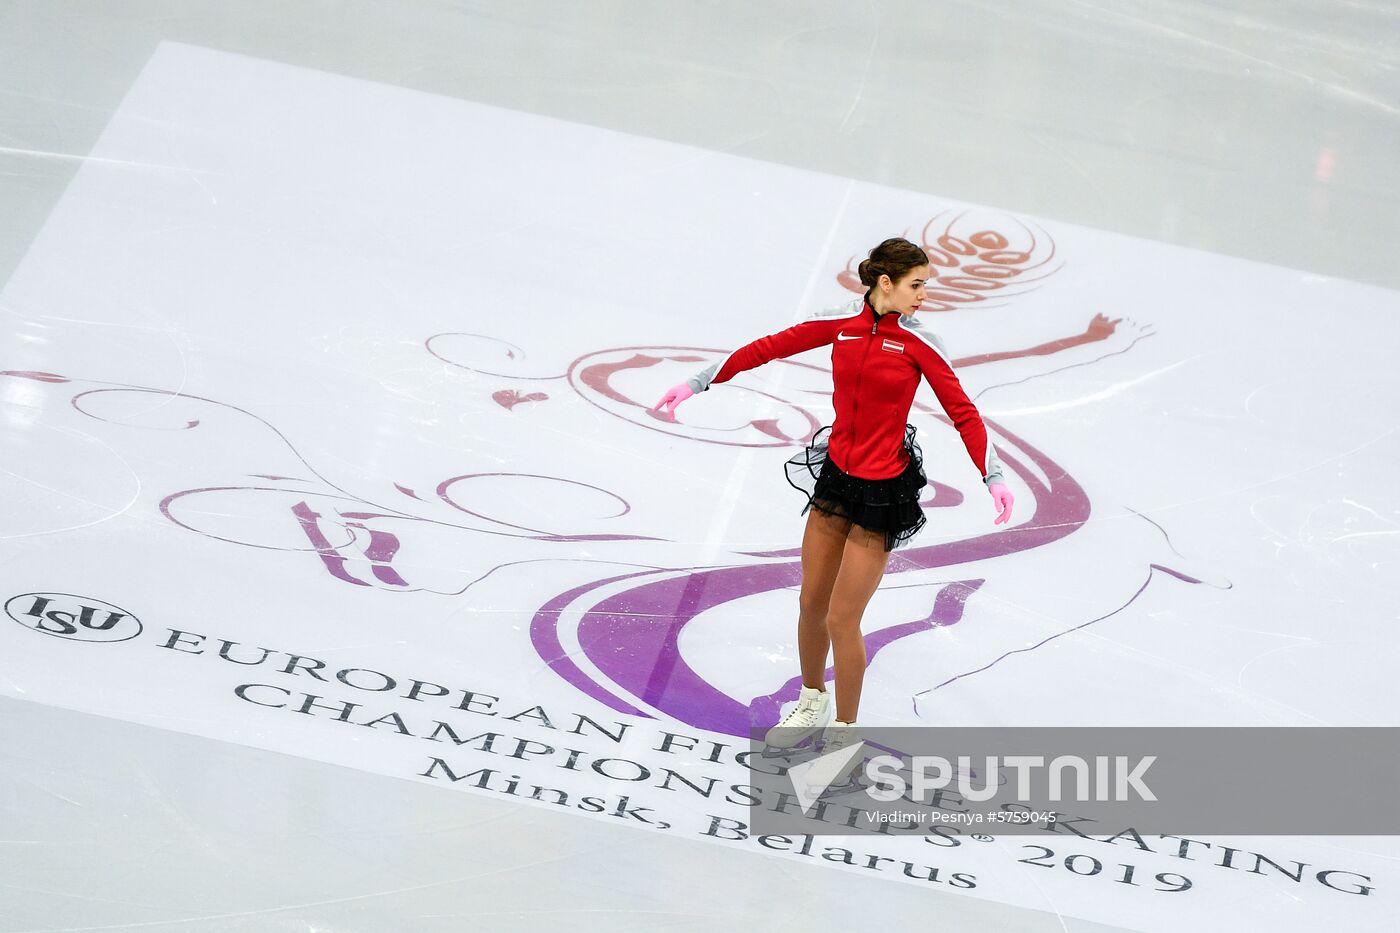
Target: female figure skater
[863,473]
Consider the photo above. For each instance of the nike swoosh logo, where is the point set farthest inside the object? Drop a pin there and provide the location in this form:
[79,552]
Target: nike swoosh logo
[849,336]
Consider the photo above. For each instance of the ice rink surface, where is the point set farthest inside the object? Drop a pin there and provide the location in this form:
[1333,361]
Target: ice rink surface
[327,337]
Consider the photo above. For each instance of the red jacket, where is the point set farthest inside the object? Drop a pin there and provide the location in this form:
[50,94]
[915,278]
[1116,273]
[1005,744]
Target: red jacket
[876,362]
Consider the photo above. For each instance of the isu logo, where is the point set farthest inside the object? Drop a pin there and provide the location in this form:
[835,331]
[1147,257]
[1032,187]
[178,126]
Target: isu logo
[77,618]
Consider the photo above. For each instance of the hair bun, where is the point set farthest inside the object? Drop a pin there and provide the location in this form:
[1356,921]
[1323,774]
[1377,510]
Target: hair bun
[868,273]
[894,257]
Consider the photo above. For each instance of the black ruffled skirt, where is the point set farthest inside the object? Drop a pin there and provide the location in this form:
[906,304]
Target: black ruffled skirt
[887,506]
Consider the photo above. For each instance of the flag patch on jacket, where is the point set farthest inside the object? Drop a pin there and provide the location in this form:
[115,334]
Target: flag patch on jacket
[894,345]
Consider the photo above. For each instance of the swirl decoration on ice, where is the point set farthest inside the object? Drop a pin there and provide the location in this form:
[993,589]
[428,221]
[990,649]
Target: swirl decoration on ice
[534,491]
[357,539]
[475,352]
[972,263]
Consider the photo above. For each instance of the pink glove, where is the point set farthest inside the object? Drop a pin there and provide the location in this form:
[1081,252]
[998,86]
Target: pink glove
[674,396]
[1004,501]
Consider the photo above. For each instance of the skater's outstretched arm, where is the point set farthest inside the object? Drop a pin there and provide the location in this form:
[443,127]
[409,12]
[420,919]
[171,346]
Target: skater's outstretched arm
[818,331]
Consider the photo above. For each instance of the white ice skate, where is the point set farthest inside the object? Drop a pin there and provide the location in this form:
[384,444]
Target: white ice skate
[806,719]
[842,777]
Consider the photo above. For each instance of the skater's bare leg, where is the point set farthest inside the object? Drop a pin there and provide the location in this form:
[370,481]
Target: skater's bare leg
[863,561]
[823,543]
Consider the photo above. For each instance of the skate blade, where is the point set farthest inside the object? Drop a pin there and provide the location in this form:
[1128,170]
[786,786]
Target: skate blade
[806,749]
[852,785]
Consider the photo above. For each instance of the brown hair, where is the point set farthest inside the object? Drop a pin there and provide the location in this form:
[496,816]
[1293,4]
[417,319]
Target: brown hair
[894,257]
